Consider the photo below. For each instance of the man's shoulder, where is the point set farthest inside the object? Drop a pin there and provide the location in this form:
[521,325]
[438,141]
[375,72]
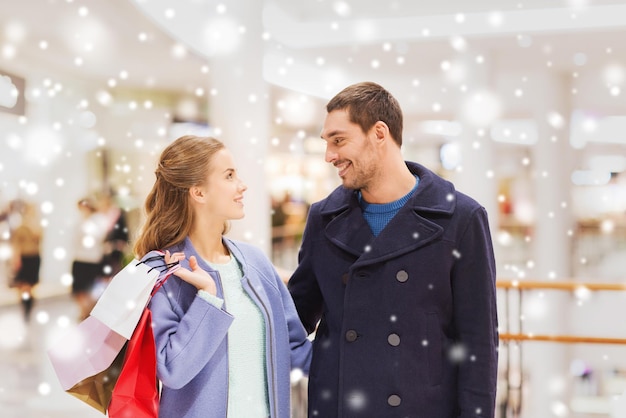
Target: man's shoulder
[442,190]
[465,203]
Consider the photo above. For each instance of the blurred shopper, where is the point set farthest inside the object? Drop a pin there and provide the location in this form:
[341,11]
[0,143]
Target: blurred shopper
[116,239]
[398,268]
[226,330]
[26,241]
[6,261]
[87,266]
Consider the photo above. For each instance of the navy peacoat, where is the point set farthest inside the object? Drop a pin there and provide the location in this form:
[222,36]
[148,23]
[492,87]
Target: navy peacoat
[405,323]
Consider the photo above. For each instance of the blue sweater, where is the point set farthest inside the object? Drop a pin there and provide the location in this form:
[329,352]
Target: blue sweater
[191,338]
[378,215]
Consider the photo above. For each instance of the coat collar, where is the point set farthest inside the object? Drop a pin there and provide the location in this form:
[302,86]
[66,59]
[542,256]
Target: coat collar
[434,194]
[189,250]
[408,230]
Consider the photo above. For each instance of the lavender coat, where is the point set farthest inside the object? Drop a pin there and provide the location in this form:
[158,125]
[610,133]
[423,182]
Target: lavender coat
[191,343]
[408,319]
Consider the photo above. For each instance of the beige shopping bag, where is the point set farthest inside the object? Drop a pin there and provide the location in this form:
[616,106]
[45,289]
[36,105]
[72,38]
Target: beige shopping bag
[84,351]
[97,390]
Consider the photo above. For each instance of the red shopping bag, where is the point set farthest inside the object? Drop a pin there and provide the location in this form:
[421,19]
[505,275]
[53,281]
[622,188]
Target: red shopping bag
[136,393]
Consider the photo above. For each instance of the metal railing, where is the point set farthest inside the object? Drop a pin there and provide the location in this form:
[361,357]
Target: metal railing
[511,405]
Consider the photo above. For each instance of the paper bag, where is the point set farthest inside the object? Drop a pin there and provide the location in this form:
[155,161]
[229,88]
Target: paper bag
[86,350]
[136,393]
[97,390]
[125,298]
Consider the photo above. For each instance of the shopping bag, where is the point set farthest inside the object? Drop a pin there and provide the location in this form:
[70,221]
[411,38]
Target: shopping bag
[122,302]
[96,390]
[136,393]
[88,360]
[86,350]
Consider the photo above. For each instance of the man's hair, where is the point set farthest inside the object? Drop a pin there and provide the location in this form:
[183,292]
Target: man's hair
[368,103]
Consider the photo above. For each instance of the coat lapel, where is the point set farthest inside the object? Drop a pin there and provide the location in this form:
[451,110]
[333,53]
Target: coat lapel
[349,231]
[408,230]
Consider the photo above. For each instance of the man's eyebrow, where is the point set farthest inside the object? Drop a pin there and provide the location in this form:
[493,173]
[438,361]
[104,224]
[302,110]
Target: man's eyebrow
[332,133]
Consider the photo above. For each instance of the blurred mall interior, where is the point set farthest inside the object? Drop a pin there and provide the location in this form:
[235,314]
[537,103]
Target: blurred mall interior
[521,104]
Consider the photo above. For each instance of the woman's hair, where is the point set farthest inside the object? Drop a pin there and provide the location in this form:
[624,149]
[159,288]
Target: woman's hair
[169,215]
[368,103]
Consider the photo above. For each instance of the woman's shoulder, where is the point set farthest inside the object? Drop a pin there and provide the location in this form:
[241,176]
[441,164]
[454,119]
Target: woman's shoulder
[249,253]
[243,246]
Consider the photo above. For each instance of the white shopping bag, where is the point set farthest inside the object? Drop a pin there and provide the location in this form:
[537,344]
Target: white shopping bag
[125,298]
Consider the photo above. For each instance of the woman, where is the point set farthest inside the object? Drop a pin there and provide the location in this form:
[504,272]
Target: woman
[226,330]
[116,236]
[87,265]
[26,242]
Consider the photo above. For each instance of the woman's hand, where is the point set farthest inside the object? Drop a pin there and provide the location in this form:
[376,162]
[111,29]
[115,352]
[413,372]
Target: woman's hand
[196,276]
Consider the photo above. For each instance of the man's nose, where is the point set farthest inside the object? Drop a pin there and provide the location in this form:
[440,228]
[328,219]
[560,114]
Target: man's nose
[330,156]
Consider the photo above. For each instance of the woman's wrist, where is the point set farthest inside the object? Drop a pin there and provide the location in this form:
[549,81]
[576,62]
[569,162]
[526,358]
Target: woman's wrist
[209,288]
[211,298]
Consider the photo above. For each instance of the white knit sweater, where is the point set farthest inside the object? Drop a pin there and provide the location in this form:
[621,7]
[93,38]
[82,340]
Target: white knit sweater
[247,386]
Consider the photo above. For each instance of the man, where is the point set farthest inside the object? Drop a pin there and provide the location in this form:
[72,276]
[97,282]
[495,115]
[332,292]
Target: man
[398,269]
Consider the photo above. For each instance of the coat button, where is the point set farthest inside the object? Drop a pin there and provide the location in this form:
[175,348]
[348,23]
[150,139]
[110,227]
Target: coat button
[402,276]
[393,339]
[394,400]
[351,336]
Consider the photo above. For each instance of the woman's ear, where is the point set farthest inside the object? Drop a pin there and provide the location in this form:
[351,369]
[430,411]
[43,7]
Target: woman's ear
[197,193]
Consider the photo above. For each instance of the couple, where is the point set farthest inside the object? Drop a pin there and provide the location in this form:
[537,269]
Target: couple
[396,275]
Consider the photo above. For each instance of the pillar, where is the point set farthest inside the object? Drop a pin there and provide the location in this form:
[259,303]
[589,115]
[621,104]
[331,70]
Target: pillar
[239,109]
[230,36]
[546,365]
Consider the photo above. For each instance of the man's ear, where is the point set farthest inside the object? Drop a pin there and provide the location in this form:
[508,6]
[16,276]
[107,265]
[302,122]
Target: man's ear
[381,130]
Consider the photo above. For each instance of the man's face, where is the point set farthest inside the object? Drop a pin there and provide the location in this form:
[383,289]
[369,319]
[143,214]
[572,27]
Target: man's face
[350,150]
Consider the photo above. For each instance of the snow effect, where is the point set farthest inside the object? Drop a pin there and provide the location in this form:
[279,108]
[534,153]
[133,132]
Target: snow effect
[66,121]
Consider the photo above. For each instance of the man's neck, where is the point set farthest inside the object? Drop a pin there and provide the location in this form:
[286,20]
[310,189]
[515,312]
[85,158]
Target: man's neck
[393,185]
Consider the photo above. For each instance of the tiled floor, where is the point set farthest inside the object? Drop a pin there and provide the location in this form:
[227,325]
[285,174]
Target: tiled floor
[28,385]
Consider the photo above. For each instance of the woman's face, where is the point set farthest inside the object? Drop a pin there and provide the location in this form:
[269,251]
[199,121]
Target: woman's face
[224,189]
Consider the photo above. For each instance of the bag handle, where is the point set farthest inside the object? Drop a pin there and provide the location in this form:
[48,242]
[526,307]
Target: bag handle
[165,270]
